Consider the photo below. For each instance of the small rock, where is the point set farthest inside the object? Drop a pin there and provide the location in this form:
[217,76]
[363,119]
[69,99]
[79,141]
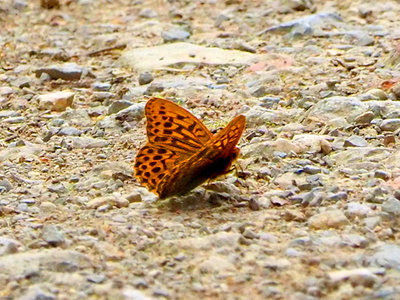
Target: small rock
[119,202]
[87,143]
[14,120]
[387,256]
[311,170]
[134,294]
[364,118]
[8,114]
[250,234]
[175,34]
[145,78]
[5,185]
[57,101]
[52,235]
[358,209]
[382,175]
[97,202]
[67,71]
[36,293]
[355,141]
[134,112]
[361,276]
[135,196]
[47,207]
[372,222]
[69,131]
[396,90]
[390,124]
[101,86]
[258,91]
[328,219]
[117,106]
[391,206]
[148,13]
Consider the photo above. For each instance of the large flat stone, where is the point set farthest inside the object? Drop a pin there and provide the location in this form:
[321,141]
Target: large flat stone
[150,58]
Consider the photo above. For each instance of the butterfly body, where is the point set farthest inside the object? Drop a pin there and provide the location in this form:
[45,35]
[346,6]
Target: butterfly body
[181,153]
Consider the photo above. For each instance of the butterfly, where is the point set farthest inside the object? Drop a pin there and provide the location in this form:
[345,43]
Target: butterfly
[181,153]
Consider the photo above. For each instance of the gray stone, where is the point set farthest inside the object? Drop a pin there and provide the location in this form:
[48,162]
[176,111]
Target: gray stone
[308,25]
[86,142]
[175,34]
[358,209]
[355,141]
[335,107]
[67,71]
[148,13]
[145,78]
[134,112]
[382,175]
[391,206]
[52,235]
[69,131]
[36,293]
[311,169]
[387,256]
[32,263]
[8,114]
[117,106]
[390,124]
[101,86]
[14,120]
[361,276]
[5,185]
[372,222]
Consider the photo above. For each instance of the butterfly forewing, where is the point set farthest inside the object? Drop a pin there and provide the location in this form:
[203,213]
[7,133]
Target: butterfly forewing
[173,127]
[212,160]
[226,139]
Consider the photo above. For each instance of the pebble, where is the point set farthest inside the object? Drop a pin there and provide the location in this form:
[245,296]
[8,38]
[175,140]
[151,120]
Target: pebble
[35,293]
[364,118]
[53,236]
[355,141]
[358,209]
[67,71]
[101,86]
[69,131]
[175,34]
[145,78]
[359,276]
[390,124]
[391,206]
[382,175]
[328,219]
[372,222]
[148,13]
[117,106]
[5,185]
[387,256]
[56,101]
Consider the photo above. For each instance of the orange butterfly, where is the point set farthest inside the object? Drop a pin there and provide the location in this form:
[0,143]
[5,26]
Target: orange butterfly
[181,153]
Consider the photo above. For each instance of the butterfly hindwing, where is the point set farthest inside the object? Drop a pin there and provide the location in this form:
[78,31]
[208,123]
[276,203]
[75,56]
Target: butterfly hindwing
[152,164]
[172,126]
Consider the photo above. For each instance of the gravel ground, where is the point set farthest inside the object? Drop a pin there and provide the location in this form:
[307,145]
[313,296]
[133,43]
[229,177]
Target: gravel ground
[312,211]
